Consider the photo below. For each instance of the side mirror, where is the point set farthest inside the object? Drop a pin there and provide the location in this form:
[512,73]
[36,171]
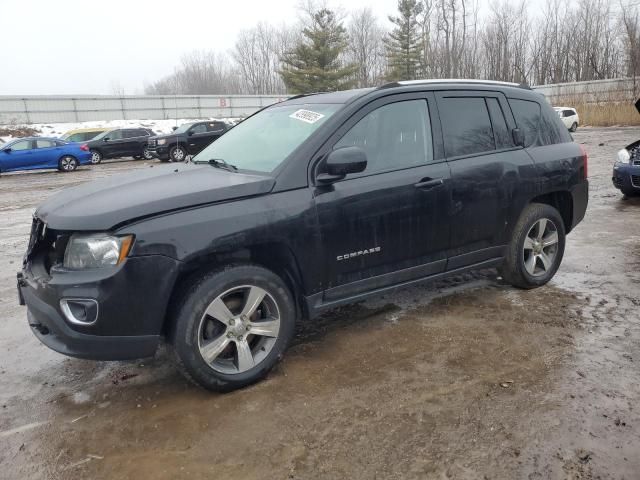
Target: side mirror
[518,137]
[7,150]
[341,162]
[173,129]
[190,132]
[105,139]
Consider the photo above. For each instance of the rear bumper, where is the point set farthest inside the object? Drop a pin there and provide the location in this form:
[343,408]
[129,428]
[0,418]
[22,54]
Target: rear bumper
[131,299]
[626,177]
[580,195]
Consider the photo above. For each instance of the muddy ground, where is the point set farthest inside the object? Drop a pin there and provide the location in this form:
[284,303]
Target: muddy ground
[464,379]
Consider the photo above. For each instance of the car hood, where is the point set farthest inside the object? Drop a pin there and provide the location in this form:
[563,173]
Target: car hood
[104,204]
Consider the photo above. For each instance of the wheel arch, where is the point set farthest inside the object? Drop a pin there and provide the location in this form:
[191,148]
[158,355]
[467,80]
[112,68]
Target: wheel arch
[562,201]
[274,256]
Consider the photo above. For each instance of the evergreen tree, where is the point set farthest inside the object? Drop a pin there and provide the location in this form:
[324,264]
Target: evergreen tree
[404,43]
[314,64]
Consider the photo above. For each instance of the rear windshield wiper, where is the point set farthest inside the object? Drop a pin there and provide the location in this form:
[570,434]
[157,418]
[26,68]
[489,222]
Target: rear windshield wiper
[219,163]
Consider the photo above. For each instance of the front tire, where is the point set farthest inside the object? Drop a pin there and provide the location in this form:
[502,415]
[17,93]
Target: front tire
[232,326]
[146,154]
[96,157]
[536,248]
[67,163]
[177,154]
[574,127]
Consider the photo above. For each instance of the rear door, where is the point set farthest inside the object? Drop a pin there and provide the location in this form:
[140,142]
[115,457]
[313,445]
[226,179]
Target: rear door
[388,224]
[486,170]
[47,153]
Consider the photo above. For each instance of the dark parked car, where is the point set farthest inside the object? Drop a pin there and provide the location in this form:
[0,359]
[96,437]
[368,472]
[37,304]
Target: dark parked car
[36,153]
[311,203]
[121,142]
[187,139]
[626,169]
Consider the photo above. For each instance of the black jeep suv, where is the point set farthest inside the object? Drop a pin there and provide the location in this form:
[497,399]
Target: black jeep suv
[311,203]
[121,142]
[187,139]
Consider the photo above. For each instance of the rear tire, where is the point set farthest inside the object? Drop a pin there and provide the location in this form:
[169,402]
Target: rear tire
[96,157]
[177,154]
[67,163]
[574,127]
[231,326]
[536,247]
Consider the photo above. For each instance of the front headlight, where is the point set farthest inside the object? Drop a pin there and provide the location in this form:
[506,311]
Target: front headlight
[96,250]
[623,156]
[162,141]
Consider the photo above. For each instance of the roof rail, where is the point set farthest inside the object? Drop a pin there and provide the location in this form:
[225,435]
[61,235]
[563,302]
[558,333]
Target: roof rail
[428,81]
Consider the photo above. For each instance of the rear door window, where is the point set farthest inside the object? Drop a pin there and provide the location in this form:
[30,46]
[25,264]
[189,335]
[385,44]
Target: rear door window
[466,125]
[130,133]
[44,144]
[527,115]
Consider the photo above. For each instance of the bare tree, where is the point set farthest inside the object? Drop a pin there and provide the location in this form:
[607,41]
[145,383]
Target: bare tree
[366,47]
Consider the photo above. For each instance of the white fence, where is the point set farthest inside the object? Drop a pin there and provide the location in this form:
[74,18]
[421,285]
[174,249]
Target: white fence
[595,91]
[80,108]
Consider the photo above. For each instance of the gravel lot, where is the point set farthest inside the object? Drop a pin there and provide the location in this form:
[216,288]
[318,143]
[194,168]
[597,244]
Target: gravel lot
[465,379]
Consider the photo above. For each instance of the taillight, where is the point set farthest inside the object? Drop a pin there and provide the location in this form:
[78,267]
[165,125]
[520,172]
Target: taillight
[585,160]
[84,147]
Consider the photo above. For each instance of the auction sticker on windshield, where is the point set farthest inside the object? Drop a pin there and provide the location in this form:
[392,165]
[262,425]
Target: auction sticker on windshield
[307,116]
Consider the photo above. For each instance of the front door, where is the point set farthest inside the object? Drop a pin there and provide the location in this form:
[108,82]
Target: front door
[114,144]
[18,156]
[198,138]
[388,224]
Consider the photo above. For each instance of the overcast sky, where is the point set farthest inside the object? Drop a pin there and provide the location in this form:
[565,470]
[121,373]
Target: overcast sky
[84,46]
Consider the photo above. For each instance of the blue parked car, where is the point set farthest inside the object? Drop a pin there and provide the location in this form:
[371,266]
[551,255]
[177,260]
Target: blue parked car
[626,169]
[34,153]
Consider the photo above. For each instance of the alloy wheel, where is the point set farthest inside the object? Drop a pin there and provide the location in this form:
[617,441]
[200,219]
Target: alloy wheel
[238,329]
[95,158]
[178,154]
[68,164]
[540,247]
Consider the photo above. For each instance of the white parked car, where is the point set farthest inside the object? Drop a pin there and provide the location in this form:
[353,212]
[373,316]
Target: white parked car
[569,117]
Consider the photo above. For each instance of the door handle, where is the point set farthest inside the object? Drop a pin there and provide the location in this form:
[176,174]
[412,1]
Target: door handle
[429,183]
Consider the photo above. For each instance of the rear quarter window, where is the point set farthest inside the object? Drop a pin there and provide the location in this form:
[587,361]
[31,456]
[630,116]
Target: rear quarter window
[527,115]
[552,130]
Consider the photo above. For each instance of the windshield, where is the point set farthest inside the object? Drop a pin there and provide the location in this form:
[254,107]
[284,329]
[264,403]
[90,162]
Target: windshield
[264,140]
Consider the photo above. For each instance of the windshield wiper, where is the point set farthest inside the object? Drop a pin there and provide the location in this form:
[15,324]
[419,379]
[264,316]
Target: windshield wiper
[219,163]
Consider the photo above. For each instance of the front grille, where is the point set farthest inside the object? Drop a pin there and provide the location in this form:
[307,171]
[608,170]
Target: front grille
[635,181]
